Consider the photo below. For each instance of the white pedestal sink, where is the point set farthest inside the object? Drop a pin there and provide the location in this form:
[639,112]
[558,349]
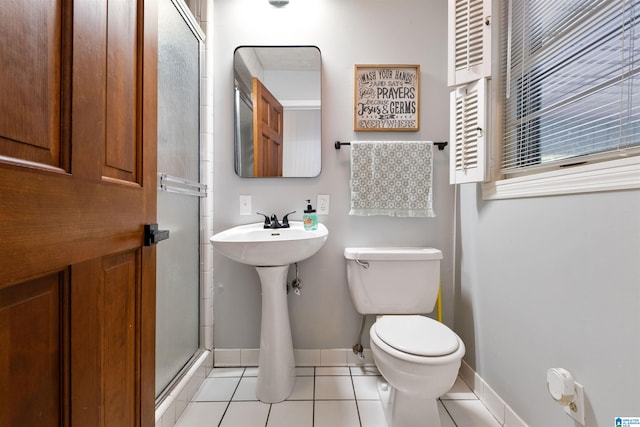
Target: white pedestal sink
[271,251]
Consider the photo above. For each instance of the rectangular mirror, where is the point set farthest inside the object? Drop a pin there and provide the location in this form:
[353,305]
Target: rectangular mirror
[277,111]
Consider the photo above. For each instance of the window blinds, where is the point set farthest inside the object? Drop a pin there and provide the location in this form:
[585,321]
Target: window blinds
[570,78]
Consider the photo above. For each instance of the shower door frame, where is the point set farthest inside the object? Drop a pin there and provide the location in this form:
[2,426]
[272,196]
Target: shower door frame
[168,183]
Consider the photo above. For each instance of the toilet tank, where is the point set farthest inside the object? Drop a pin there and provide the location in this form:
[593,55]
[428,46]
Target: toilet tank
[393,280]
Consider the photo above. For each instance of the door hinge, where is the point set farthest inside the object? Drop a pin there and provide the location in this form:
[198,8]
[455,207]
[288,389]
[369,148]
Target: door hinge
[152,235]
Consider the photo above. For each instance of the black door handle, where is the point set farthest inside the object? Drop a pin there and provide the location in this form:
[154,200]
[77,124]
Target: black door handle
[152,235]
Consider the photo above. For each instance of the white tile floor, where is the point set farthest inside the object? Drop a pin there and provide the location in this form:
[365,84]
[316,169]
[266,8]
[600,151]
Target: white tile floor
[322,397]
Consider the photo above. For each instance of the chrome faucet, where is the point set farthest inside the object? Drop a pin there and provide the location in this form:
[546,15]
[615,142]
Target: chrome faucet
[273,221]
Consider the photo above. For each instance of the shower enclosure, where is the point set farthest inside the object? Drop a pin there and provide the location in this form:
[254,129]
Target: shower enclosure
[178,340]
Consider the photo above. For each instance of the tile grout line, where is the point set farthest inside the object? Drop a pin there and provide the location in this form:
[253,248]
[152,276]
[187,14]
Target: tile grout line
[355,397]
[449,413]
[231,397]
[266,423]
[313,402]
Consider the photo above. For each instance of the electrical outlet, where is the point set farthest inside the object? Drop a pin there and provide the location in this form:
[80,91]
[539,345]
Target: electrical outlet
[323,204]
[245,205]
[576,409]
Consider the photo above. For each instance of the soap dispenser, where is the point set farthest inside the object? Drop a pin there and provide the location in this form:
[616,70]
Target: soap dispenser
[310,218]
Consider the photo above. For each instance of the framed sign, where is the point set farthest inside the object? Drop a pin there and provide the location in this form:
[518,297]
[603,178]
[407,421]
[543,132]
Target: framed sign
[386,98]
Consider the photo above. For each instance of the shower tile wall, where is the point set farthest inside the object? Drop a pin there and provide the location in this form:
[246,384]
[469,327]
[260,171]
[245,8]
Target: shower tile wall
[203,12]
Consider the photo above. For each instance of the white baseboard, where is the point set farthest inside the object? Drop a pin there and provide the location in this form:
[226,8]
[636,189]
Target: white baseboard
[494,403]
[303,357]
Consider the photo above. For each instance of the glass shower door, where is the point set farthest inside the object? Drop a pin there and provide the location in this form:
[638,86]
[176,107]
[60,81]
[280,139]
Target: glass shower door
[178,259]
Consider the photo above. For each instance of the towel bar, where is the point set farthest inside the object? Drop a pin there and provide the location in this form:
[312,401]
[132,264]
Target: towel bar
[440,145]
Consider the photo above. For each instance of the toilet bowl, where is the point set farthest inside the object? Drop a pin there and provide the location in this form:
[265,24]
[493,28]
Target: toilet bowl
[418,357]
[419,373]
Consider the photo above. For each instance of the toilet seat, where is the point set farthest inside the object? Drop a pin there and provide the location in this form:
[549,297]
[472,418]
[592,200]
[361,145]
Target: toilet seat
[417,335]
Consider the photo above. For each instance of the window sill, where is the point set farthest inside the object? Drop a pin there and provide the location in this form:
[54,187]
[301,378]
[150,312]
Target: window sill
[619,174]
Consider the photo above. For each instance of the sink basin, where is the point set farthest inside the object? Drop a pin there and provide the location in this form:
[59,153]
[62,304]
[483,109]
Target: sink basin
[254,245]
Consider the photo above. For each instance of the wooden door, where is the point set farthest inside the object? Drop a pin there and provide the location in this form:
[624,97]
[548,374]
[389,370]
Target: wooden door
[77,185]
[267,132]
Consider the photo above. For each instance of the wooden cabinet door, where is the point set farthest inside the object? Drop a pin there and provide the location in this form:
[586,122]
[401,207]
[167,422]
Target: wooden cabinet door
[267,132]
[77,185]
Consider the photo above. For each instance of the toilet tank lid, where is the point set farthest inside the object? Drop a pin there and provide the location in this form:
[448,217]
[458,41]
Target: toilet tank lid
[393,253]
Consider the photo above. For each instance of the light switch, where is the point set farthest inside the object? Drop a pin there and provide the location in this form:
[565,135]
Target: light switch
[245,205]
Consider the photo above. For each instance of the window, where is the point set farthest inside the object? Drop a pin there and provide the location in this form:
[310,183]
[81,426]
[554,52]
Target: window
[569,79]
[564,89]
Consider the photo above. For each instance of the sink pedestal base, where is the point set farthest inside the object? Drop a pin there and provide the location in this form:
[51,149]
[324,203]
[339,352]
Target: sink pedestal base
[276,370]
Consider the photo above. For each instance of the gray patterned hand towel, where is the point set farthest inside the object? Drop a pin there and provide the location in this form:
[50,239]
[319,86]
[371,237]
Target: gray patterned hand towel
[392,178]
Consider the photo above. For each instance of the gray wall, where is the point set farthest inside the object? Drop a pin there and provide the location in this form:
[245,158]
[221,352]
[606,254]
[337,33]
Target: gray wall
[552,282]
[347,33]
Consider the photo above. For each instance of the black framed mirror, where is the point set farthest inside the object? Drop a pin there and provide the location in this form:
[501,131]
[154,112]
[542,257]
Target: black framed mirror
[277,111]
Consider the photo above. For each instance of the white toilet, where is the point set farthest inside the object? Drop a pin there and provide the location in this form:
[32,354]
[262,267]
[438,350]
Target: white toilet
[418,356]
